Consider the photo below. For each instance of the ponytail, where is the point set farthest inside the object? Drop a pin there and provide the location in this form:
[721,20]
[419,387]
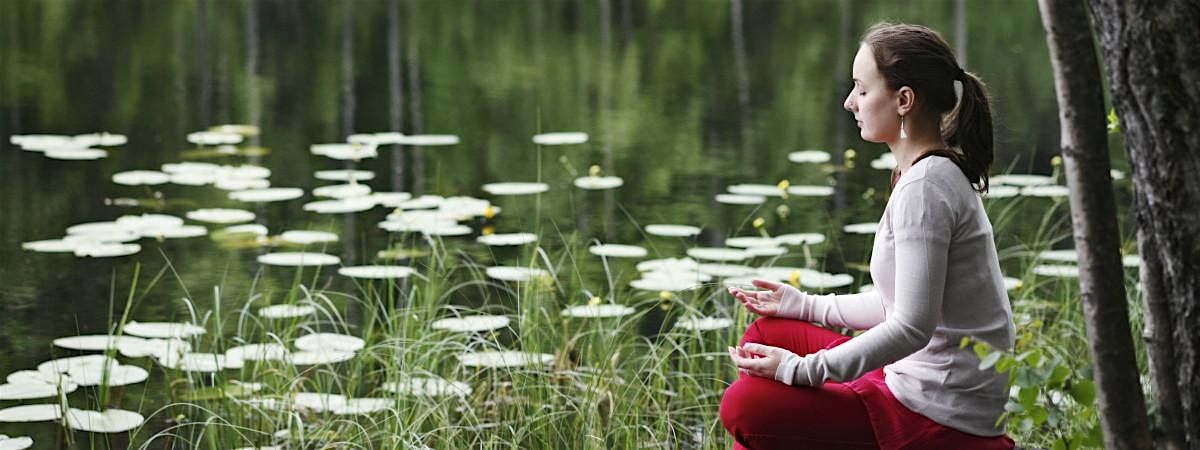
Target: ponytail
[969,128]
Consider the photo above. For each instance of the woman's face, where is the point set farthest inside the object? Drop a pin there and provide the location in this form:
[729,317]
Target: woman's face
[873,104]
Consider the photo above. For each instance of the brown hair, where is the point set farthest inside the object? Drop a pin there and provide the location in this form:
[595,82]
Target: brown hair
[918,57]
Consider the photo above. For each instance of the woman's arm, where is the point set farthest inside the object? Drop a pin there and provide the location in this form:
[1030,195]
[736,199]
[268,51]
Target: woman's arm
[858,311]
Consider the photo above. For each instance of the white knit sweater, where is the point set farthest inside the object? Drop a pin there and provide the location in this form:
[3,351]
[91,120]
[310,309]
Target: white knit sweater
[937,278]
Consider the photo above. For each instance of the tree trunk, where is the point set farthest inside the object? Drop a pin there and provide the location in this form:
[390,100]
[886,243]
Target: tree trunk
[395,93]
[960,32]
[201,42]
[253,102]
[348,100]
[1081,115]
[1153,68]
[738,36]
[414,94]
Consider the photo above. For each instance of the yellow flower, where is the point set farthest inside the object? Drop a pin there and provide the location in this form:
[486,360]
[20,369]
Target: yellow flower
[759,222]
[783,211]
[594,301]
[665,295]
[594,170]
[1056,161]
[489,230]
[849,154]
[794,278]
[489,212]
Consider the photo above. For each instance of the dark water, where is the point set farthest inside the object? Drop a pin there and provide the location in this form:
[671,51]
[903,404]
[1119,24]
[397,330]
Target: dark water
[679,98]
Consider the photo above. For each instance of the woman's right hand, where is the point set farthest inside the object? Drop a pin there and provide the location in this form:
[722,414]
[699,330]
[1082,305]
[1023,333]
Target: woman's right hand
[765,302]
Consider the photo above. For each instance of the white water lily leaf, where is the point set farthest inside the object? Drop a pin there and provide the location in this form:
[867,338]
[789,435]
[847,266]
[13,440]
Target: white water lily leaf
[422,202]
[298,259]
[1068,255]
[235,128]
[751,241]
[96,342]
[1131,261]
[725,270]
[286,311]
[1022,179]
[235,356]
[194,362]
[515,188]
[560,138]
[76,154]
[428,387]
[670,264]
[1057,270]
[704,323]
[344,175]
[267,195]
[347,151]
[318,357]
[109,421]
[341,205]
[31,413]
[862,228]
[15,443]
[102,139]
[105,250]
[598,311]
[154,347]
[306,237]
[718,253]
[821,280]
[760,190]
[617,251]
[329,342]
[450,230]
[504,359]
[507,273]
[766,251]
[176,232]
[498,240]
[51,246]
[657,284]
[356,406]
[810,191]
[140,177]
[1011,283]
[594,183]
[1048,190]
[220,215]
[377,272]
[809,156]
[800,238]
[317,401]
[886,161]
[391,199]
[469,324]
[250,228]
[342,191]
[163,330]
[214,138]
[115,375]
[240,184]
[148,221]
[669,230]
[1002,191]
[427,140]
[189,167]
[28,391]
[737,199]
[692,274]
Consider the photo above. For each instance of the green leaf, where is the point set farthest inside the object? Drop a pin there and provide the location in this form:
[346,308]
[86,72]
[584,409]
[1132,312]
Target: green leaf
[1058,445]
[1033,358]
[1014,407]
[1038,414]
[1059,375]
[1007,362]
[990,360]
[1084,392]
[1028,396]
[1114,123]
[964,342]
[981,349]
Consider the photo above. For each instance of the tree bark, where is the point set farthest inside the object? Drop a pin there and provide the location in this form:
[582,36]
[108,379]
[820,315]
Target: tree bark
[1121,405]
[416,110]
[395,92]
[1153,68]
[737,35]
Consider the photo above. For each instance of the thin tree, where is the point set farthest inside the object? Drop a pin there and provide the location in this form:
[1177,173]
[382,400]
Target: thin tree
[1081,117]
[1153,67]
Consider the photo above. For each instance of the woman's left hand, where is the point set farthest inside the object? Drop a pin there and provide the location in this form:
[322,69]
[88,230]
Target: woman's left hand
[757,359]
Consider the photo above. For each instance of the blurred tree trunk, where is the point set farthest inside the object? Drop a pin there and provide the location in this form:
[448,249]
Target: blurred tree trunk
[414,95]
[841,77]
[1153,68]
[738,36]
[395,92]
[200,40]
[1121,405]
[253,102]
[960,32]
[347,97]
[605,113]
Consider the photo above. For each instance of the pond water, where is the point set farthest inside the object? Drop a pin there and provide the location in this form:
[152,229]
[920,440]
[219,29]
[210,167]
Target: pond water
[679,99]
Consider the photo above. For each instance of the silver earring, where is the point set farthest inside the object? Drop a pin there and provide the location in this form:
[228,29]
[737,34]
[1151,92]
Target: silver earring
[903,135]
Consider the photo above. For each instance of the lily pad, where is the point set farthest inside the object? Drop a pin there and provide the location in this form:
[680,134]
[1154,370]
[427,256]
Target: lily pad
[298,259]
[672,230]
[469,324]
[504,359]
[560,138]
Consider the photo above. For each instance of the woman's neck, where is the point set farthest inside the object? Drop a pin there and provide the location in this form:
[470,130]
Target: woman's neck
[921,138]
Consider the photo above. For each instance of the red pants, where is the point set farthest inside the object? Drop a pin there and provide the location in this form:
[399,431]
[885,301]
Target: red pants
[762,414]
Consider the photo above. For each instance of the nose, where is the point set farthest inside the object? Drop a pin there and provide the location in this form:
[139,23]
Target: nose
[848,105]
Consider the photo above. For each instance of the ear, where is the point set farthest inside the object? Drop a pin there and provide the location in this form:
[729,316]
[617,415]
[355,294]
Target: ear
[906,100]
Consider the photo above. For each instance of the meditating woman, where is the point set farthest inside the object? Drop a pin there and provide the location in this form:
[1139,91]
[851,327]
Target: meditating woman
[904,382]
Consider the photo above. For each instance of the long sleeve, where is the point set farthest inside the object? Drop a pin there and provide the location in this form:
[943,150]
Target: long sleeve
[857,311]
[922,221]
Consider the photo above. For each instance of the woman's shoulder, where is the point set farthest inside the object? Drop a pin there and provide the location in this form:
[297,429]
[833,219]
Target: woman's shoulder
[936,170]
